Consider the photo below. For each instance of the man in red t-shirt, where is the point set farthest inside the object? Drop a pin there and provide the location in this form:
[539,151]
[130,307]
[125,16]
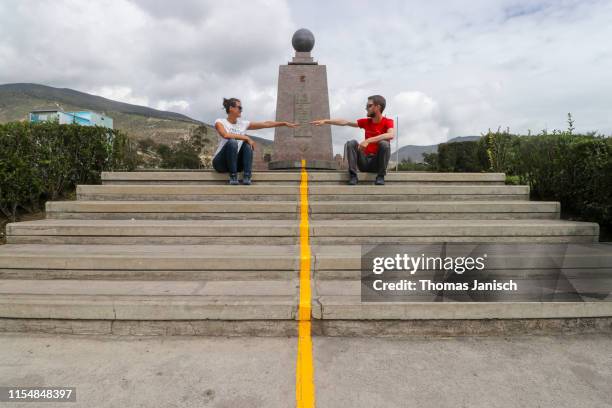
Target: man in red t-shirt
[373,153]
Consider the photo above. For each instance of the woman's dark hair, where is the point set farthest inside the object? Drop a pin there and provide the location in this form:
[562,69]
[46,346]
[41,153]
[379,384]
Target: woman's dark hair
[378,100]
[229,103]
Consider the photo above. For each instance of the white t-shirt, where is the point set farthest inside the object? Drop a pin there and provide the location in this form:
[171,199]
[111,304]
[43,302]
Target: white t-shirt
[239,128]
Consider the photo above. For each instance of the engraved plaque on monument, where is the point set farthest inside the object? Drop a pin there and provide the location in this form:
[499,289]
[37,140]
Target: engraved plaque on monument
[302,97]
[302,114]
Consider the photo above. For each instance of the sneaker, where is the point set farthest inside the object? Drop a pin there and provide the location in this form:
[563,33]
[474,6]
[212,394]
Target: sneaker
[233,180]
[353,180]
[246,180]
[380,180]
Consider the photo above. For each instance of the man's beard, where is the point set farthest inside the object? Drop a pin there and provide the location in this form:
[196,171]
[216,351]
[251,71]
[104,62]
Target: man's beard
[371,114]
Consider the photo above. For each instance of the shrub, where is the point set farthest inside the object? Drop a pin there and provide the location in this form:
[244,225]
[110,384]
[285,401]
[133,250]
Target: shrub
[182,155]
[460,157]
[46,160]
[574,169]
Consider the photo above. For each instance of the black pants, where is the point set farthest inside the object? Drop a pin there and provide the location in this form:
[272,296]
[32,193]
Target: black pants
[230,159]
[371,163]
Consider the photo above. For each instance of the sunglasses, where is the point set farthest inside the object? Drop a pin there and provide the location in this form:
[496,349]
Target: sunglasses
[369,105]
[239,107]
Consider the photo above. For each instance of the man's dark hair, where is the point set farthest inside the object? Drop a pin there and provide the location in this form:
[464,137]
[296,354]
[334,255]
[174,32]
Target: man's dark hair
[378,100]
[229,103]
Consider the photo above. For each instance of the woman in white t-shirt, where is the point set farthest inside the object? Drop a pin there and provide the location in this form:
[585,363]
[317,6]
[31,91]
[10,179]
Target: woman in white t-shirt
[235,150]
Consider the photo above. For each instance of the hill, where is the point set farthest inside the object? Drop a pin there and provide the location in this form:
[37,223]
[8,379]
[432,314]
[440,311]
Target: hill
[139,122]
[415,152]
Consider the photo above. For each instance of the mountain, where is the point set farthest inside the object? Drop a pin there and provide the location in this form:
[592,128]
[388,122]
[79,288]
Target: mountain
[139,122]
[97,103]
[415,152]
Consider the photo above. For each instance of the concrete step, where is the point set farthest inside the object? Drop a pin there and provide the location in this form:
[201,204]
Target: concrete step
[271,232]
[319,210]
[172,210]
[426,231]
[148,300]
[288,177]
[188,192]
[417,192]
[341,300]
[290,192]
[149,262]
[421,210]
[287,232]
[520,261]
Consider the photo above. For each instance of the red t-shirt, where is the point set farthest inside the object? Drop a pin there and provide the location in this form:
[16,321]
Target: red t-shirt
[374,129]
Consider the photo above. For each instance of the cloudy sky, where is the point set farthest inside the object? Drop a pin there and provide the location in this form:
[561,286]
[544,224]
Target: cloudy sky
[447,68]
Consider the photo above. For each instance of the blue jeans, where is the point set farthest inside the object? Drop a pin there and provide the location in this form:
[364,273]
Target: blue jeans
[230,159]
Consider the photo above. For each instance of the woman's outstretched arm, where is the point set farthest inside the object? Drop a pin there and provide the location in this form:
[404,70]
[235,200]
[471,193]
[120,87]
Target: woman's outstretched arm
[270,124]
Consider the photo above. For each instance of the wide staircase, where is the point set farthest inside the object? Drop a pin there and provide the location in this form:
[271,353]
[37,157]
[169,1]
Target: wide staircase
[183,252]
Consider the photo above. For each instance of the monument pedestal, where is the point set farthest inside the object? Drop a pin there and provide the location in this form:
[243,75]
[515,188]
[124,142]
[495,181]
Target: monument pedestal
[297,164]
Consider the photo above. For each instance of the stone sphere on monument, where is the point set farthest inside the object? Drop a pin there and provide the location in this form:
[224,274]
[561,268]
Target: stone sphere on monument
[303,40]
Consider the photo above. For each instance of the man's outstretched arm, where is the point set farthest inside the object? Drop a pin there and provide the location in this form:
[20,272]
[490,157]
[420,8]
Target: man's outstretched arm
[337,122]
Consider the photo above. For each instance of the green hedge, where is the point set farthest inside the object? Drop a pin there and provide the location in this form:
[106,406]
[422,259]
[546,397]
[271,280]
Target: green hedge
[574,169]
[40,162]
[461,157]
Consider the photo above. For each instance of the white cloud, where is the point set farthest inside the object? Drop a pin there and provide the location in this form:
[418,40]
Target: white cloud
[185,56]
[121,94]
[172,105]
[419,119]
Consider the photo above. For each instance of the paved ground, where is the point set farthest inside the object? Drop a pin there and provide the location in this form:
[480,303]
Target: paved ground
[569,371]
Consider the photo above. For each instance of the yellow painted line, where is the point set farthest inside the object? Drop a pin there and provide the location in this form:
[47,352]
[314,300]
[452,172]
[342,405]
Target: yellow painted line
[304,372]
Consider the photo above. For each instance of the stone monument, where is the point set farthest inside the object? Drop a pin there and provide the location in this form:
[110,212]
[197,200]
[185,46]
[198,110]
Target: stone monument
[302,97]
